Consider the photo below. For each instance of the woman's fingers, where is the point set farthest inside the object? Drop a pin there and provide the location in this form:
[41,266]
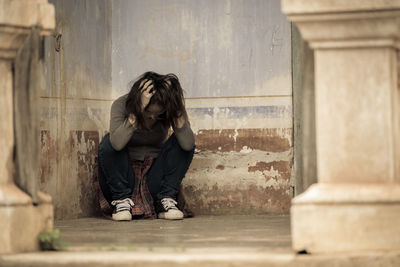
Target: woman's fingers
[145,84]
[149,88]
[142,83]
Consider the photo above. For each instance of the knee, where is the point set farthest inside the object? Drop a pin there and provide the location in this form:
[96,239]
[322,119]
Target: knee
[105,147]
[176,155]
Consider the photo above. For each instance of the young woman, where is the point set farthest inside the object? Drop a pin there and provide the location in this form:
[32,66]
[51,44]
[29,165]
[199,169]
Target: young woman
[138,144]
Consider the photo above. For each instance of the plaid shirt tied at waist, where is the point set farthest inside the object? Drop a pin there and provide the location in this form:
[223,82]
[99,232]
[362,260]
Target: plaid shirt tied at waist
[141,197]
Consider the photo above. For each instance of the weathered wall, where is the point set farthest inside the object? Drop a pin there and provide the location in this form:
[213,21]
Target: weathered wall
[75,104]
[233,59]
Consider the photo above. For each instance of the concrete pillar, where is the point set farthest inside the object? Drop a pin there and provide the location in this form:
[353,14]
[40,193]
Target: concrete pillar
[355,206]
[20,221]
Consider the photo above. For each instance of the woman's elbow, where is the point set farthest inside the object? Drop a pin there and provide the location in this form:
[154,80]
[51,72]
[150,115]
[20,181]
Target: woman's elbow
[116,145]
[188,146]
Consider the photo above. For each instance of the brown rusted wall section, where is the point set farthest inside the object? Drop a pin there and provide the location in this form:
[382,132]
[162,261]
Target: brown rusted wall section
[262,139]
[231,183]
[86,149]
[225,179]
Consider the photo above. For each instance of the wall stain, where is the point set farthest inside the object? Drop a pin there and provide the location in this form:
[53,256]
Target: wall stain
[226,140]
[220,167]
[49,156]
[283,167]
[85,145]
[251,182]
[250,200]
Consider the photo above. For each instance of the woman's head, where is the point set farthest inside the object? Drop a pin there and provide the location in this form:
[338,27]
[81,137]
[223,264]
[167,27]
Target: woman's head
[167,103]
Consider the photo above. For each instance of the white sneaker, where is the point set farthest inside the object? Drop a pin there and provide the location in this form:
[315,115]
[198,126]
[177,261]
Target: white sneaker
[171,212]
[122,209]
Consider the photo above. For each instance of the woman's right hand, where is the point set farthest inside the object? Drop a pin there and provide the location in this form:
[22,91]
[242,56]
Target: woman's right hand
[146,87]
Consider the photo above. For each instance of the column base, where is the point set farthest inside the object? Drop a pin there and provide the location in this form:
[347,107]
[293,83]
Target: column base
[330,218]
[21,221]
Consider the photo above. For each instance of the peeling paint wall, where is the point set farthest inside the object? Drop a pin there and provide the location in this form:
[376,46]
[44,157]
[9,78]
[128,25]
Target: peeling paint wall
[244,156]
[75,104]
[233,58]
[234,61]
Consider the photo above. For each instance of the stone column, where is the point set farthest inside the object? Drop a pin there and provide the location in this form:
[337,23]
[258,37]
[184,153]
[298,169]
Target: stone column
[20,220]
[355,206]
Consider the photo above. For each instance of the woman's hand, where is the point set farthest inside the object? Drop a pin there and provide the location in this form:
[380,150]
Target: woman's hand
[179,122]
[146,87]
[132,119]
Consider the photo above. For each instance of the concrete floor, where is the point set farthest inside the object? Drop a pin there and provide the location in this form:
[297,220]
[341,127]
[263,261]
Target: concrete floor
[201,241]
[256,233]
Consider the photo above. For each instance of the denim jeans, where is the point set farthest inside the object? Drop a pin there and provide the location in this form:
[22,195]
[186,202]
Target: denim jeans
[117,179]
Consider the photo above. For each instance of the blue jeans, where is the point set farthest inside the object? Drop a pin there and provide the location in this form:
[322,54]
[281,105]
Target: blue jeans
[117,179]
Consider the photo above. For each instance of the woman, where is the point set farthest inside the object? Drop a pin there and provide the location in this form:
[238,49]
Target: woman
[138,143]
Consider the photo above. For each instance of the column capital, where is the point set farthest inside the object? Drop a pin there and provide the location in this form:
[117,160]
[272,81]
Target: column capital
[16,19]
[346,24]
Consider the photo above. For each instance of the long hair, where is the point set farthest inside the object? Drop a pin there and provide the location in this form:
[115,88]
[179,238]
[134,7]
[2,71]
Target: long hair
[168,94]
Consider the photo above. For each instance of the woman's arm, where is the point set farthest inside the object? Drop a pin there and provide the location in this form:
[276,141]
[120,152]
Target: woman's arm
[184,133]
[121,129]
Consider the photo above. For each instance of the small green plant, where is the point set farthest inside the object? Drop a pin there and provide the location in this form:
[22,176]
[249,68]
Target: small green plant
[50,239]
[180,248]
[132,247]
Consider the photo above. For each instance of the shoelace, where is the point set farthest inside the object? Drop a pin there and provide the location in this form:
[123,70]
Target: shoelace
[169,203]
[123,204]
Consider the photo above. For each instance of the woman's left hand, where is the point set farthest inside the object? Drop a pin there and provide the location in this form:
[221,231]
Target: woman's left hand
[179,122]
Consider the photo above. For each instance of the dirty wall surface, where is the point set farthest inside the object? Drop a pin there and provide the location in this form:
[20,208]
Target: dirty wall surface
[75,104]
[233,60]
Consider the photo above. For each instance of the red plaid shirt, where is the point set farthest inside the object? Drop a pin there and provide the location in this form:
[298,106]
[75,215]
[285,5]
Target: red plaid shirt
[141,197]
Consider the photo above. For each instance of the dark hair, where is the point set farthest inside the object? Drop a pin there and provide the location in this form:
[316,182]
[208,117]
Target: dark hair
[168,94]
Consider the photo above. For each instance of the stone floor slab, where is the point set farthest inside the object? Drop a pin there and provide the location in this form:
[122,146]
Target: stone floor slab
[201,241]
[217,232]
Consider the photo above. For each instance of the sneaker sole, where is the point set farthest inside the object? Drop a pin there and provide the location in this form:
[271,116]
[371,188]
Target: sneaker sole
[122,216]
[171,215]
